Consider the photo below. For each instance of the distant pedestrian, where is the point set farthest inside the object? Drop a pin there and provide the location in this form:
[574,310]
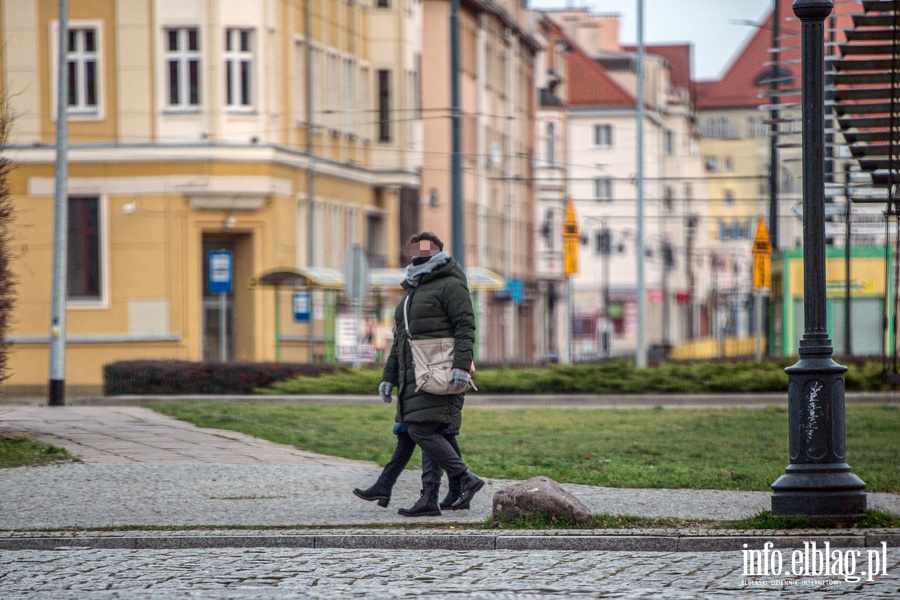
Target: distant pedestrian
[436,305]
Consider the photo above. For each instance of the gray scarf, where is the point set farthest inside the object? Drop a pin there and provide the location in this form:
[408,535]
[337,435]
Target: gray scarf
[414,272]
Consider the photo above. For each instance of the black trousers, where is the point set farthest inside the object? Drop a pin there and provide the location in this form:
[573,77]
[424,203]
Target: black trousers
[403,452]
[438,454]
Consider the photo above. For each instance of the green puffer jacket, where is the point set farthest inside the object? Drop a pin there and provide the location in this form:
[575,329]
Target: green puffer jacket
[440,306]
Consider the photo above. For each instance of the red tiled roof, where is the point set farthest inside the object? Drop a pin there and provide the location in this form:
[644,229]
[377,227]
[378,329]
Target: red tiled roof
[588,83]
[677,55]
[591,85]
[737,88]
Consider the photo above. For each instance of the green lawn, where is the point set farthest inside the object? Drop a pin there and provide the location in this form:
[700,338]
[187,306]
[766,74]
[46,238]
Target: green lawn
[735,448]
[20,451]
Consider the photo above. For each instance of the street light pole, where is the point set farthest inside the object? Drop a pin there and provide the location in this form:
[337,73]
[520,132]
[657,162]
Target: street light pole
[56,395]
[640,355]
[457,218]
[817,483]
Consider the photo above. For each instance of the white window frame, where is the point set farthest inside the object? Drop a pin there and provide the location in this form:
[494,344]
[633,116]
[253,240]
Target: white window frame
[602,135]
[602,191]
[183,56]
[550,144]
[349,96]
[668,142]
[79,111]
[235,59]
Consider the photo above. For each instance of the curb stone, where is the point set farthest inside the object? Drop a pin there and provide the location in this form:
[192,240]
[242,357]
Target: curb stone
[645,541]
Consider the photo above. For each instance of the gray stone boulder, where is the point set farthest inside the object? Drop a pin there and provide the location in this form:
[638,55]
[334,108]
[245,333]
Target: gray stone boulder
[539,496]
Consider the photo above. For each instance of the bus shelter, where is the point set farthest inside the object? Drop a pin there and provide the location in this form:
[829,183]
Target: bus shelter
[382,282]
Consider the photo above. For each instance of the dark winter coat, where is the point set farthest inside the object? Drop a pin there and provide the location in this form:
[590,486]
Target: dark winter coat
[440,306]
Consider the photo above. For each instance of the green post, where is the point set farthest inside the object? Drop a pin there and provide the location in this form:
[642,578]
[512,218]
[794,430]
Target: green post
[328,337]
[277,323]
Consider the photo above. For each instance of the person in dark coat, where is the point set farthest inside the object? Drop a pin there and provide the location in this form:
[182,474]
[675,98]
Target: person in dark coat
[438,304]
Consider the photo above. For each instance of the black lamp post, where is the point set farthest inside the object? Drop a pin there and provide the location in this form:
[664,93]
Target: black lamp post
[817,483]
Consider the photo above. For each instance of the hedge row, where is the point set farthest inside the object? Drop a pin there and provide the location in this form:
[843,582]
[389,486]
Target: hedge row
[184,377]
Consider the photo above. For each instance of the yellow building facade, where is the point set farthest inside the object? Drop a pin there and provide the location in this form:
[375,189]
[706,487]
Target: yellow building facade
[194,126]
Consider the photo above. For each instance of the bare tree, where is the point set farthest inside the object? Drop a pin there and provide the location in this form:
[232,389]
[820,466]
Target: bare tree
[7,279]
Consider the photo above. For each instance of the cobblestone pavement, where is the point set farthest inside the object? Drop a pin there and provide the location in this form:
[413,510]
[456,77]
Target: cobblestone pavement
[144,469]
[273,573]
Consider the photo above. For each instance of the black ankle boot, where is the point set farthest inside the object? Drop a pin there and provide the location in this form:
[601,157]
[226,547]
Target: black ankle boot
[469,484]
[380,491]
[425,506]
[452,494]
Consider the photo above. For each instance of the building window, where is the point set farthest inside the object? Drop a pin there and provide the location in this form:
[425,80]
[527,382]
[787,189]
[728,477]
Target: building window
[349,97]
[239,68]
[723,231]
[83,270]
[719,128]
[384,105]
[711,163]
[668,142]
[183,66]
[550,142]
[383,3]
[756,128]
[602,188]
[729,197]
[728,164]
[82,62]
[603,136]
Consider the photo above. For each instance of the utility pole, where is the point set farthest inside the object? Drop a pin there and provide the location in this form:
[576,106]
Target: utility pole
[57,387]
[640,355]
[457,223]
[773,130]
[817,483]
[848,313]
[310,166]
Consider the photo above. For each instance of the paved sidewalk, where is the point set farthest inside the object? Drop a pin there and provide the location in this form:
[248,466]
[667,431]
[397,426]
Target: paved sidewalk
[130,434]
[142,469]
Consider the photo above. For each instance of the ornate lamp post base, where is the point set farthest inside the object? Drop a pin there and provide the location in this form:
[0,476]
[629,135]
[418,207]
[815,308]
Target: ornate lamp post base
[817,483]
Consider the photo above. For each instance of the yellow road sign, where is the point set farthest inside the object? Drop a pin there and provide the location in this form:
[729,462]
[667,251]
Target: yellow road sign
[762,245]
[762,271]
[570,226]
[570,256]
[571,238]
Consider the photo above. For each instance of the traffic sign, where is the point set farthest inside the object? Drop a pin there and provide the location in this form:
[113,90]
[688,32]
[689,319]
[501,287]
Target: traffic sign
[571,239]
[302,307]
[570,226]
[762,271]
[221,271]
[762,245]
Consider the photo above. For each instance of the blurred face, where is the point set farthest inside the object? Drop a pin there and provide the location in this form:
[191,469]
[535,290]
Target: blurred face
[422,248]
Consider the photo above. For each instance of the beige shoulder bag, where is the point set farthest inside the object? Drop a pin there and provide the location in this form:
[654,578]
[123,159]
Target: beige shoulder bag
[432,361]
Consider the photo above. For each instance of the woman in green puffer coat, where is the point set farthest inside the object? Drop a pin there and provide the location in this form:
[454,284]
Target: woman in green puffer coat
[438,305]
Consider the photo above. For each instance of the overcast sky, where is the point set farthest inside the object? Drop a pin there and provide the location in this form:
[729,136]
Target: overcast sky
[708,24]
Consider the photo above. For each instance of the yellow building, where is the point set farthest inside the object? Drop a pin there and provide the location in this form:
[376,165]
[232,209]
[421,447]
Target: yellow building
[868,281]
[189,124]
